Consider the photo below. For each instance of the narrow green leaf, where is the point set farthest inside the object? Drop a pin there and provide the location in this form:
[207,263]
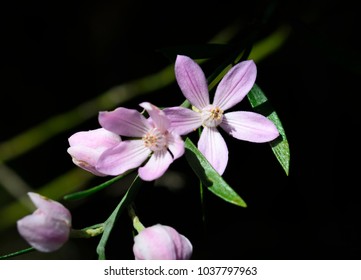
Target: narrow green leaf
[18,253]
[109,223]
[280,145]
[88,192]
[209,177]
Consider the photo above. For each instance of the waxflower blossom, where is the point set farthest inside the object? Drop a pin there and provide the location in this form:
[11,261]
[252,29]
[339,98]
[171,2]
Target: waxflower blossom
[48,227]
[160,242]
[150,137]
[87,146]
[242,125]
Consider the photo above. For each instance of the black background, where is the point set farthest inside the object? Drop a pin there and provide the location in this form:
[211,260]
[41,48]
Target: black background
[58,55]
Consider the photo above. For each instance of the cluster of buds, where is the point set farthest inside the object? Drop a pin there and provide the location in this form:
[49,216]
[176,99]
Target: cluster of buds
[48,228]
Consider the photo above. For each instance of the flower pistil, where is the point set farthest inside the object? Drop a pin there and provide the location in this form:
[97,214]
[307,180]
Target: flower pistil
[211,116]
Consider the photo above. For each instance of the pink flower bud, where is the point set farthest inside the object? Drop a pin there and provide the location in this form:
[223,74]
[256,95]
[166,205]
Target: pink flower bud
[87,146]
[48,227]
[160,242]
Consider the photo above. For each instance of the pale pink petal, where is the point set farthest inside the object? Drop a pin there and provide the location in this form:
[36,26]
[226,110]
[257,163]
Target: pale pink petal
[235,85]
[192,81]
[182,244]
[156,165]
[161,242]
[175,145]
[127,155]
[48,227]
[43,202]
[154,243]
[125,122]
[212,145]
[157,116]
[42,232]
[183,120]
[87,146]
[85,158]
[97,139]
[52,207]
[249,126]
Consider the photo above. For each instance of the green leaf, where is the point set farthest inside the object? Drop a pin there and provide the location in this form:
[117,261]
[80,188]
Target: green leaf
[18,253]
[280,145]
[109,223]
[209,177]
[88,192]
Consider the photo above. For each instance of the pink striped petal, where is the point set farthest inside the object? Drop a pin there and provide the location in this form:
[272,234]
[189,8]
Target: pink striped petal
[156,165]
[192,81]
[158,117]
[212,145]
[175,145]
[249,126]
[125,122]
[235,85]
[127,155]
[183,120]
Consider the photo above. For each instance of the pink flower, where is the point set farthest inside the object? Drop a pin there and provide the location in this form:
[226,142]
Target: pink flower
[48,228]
[87,146]
[234,86]
[160,242]
[150,137]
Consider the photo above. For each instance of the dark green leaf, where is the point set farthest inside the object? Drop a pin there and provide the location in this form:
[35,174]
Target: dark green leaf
[209,177]
[109,223]
[88,192]
[17,253]
[280,145]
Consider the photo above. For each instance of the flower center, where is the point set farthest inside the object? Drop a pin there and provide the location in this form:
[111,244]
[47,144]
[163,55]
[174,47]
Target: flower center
[212,116]
[155,140]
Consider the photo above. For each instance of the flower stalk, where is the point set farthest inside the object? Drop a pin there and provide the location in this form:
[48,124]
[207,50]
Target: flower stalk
[138,226]
[88,232]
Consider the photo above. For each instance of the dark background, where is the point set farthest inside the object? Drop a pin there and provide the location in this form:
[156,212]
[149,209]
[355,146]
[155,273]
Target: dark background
[58,55]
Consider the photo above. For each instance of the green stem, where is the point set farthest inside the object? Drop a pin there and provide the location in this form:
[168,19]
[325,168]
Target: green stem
[88,192]
[88,232]
[109,223]
[136,222]
[18,253]
[203,206]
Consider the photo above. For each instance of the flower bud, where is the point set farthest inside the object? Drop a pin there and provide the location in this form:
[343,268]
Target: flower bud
[87,146]
[48,227]
[160,242]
